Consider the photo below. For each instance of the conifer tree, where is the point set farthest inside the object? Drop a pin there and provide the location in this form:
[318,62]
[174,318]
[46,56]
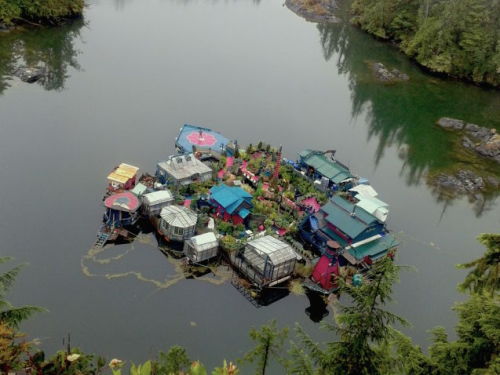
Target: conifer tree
[269,343]
[485,275]
[9,314]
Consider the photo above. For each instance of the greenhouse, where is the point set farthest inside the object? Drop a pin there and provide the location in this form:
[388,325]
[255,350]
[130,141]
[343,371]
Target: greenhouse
[155,201]
[177,223]
[202,247]
[267,261]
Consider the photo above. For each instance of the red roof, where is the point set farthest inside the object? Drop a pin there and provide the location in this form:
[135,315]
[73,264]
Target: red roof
[125,201]
[323,271]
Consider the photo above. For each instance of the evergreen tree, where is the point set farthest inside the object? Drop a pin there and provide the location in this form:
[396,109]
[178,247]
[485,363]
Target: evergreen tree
[9,314]
[360,326]
[457,37]
[174,361]
[485,275]
[269,343]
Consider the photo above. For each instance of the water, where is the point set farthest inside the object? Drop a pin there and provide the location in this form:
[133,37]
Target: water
[121,85]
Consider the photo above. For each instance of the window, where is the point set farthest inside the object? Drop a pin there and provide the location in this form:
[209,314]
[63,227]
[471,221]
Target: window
[178,231]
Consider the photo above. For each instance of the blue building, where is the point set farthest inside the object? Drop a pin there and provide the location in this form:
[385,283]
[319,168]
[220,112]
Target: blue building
[231,202]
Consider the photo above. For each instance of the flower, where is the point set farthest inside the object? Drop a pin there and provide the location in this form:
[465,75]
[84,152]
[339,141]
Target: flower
[73,357]
[115,364]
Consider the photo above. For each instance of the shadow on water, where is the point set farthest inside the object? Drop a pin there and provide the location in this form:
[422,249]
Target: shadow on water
[52,49]
[404,114]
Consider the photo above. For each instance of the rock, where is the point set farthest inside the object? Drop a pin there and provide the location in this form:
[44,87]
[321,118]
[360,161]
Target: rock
[319,11]
[388,76]
[467,143]
[490,148]
[400,75]
[30,74]
[478,132]
[464,181]
[493,182]
[451,123]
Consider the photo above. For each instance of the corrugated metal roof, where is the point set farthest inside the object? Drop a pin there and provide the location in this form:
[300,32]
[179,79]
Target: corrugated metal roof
[117,178]
[374,249]
[123,173]
[350,207]
[344,220]
[158,197]
[325,166]
[370,204]
[366,190]
[277,251]
[179,216]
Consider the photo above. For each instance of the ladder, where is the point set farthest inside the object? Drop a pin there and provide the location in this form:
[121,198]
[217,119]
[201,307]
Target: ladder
[102,238]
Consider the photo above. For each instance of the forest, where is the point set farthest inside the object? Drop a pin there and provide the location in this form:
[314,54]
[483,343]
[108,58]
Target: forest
[460,38]
[38,11]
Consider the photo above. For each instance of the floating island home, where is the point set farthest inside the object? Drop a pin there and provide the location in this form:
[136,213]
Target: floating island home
[255,209]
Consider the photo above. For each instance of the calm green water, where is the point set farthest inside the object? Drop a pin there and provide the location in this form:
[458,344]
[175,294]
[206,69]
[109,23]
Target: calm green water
[120,86]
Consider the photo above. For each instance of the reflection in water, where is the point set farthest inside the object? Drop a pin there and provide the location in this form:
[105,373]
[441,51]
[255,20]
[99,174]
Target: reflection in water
[50,48]
[404,114]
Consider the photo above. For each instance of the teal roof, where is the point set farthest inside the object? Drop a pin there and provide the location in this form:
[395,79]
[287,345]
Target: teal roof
[325,166]
[244,213]
[305,153]
[230,197]
[139,189]
[361,214]
[343,220]
[374,249]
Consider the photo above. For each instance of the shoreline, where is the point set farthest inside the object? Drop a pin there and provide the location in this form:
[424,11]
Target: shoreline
[318,11]
[323,11]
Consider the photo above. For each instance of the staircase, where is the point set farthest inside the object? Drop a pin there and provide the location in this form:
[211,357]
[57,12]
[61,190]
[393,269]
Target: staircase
[102,238]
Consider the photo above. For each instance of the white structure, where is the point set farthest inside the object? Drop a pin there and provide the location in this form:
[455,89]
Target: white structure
[178,222]
[202,247]
[373,206]
[155,201]
[366,190]
[183,170]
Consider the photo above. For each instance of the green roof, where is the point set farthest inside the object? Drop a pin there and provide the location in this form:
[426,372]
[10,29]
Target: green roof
[362,214]
[305,153]
[343,220]
[139,189]
[325,166]
[375,248]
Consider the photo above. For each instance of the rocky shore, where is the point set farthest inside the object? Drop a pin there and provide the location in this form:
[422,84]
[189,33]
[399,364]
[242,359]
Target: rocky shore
[320,11]
[483,141]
